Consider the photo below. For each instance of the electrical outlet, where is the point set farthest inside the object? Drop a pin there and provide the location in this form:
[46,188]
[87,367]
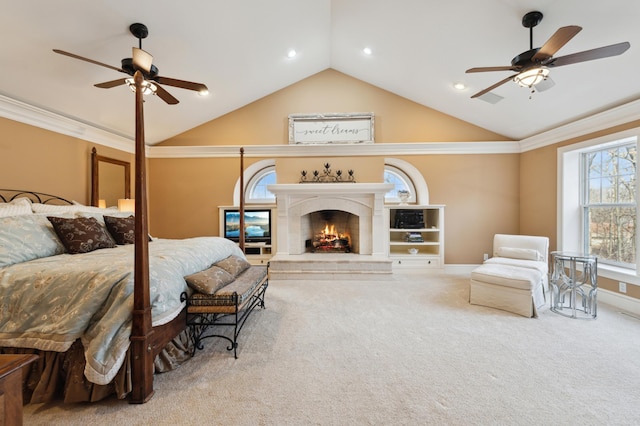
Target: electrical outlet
[486,256]
[622,287]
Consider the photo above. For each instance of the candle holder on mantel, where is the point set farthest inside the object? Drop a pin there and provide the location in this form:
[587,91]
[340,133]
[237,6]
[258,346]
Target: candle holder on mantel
[327,176]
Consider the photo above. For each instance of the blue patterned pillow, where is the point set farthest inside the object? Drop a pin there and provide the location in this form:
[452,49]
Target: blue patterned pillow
[27,237]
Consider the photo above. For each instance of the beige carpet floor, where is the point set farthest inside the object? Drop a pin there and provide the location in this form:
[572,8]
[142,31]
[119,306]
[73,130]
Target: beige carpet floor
[407,351]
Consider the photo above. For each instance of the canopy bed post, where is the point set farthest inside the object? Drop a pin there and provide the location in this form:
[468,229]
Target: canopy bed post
[141,330]
[241,233]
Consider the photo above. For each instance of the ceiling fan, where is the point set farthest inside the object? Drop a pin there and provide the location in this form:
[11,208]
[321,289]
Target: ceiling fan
[143,62]
[532,67]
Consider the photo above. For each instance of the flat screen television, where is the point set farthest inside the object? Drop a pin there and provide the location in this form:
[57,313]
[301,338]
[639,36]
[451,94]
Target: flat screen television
[257,225]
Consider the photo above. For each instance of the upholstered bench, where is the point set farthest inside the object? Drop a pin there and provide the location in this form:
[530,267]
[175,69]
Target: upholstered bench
[518,286]
[220,300]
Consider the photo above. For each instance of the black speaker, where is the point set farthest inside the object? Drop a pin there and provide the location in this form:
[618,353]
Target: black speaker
[409,219]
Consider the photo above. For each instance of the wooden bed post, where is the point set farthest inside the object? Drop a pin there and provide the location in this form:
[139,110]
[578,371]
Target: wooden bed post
[241,232]
[141,330]
[94,177]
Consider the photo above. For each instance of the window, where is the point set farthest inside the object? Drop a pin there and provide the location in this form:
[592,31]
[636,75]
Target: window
[401,181]
[609,204]
[257,191]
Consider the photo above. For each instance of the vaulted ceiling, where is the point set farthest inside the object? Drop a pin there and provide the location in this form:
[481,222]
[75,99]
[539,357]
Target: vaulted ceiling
[419,49]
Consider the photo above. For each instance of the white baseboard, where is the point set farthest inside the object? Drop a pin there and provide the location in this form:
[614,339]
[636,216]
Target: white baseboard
[459,269]
[619,301]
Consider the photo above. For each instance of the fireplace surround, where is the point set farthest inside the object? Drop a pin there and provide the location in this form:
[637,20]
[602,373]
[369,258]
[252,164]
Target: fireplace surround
[364,200]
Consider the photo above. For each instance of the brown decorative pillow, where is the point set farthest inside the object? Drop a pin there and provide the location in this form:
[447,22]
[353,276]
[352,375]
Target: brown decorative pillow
[81,234]
[122,229]
[234,265]
[210,280]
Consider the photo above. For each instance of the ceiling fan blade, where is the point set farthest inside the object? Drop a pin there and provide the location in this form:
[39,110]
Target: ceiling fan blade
[590,55]
[485,69]
[557,40]
[198,87]
[142,59]
[110,84]
[165,96]
[82,58]
[490,88]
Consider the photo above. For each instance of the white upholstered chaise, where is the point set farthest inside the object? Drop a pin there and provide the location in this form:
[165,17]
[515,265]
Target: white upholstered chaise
[515,278]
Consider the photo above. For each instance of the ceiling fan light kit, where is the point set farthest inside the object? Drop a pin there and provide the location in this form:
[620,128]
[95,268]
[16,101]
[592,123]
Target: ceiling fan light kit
[532,67]
[142,61]
[531,77]
[148,88]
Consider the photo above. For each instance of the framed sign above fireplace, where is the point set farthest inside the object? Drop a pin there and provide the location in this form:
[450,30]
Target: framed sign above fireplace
[331,128]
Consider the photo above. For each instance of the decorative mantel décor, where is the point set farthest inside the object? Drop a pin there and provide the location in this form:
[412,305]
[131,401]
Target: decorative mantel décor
[327,176]
[333,128]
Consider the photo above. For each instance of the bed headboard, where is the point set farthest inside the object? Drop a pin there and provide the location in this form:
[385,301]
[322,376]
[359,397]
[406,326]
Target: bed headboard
[8,195]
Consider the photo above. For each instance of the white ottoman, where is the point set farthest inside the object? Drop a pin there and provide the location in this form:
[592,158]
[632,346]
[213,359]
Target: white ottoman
[510,288]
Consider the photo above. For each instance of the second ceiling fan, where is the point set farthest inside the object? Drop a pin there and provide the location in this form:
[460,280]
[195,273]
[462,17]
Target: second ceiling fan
[143,62]
[532,67]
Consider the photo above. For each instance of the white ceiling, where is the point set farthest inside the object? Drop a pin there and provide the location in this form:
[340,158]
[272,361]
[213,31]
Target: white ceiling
[238,49]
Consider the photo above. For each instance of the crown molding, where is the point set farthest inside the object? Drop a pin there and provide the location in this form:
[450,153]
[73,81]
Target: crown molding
[16,110]
[612,117]
[38,117]
[343,150]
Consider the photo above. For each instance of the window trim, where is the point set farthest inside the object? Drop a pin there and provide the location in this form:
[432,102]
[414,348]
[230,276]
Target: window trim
[400,174]
[248,173]
[570,225]
[419,184]
[253,181]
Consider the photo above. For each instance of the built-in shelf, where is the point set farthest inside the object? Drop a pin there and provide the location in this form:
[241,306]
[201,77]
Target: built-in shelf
[257,253]
[416,236]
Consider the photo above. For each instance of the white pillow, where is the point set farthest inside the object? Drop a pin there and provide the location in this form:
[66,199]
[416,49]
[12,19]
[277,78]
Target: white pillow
[16,207]
[72,208]
[518,253]
[99,216]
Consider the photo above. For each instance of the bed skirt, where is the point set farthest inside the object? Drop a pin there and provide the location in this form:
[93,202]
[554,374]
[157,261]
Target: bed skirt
[60,375]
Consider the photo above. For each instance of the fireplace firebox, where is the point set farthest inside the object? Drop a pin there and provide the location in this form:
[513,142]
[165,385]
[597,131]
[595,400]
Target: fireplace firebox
[331,231]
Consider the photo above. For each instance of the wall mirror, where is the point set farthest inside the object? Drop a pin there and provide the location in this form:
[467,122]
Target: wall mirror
[110,179]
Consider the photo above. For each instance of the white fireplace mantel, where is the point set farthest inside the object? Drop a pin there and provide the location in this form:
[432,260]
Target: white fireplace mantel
[365,200]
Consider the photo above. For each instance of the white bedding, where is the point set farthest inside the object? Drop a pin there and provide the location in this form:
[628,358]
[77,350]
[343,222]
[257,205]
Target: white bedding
[48,303]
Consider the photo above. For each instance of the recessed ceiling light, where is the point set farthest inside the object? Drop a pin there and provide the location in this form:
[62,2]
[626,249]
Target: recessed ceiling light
[367,51]
[459,86]
[291,53]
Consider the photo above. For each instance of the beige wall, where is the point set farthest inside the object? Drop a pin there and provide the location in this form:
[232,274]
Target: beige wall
[481,192]
[35,159]
[365,169]
[265,122]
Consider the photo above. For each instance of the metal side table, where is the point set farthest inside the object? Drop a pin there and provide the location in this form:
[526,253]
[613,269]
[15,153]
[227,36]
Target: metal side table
[574,284]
